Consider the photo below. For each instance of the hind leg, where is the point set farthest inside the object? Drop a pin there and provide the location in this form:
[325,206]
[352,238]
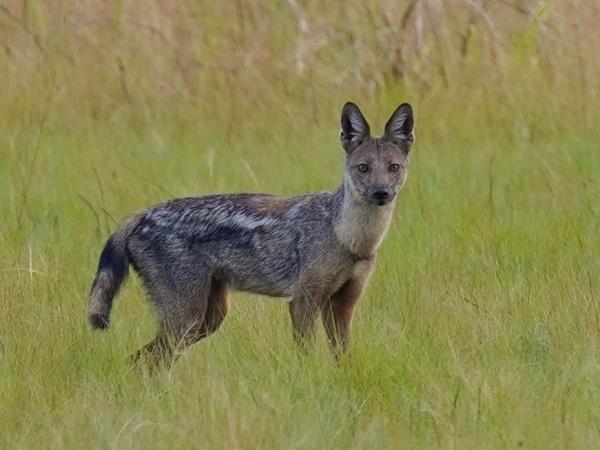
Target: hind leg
[216,309]
[183,326]
[154,352]
[181,309]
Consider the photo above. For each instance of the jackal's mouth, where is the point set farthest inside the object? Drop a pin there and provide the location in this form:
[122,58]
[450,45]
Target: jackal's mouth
[381,198]
[382,202]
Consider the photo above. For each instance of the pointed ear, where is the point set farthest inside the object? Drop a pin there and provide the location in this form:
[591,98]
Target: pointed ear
[400,127]
[354,127]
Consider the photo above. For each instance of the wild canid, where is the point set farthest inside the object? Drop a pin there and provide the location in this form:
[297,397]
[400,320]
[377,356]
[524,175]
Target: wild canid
[316,249]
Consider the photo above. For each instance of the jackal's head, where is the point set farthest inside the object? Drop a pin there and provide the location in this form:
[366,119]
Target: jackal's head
[376,166]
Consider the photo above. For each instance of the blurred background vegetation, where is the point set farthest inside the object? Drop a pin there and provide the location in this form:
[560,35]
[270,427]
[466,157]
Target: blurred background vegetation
[503,66]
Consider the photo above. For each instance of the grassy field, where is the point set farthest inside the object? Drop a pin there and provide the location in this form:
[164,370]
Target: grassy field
[481,325]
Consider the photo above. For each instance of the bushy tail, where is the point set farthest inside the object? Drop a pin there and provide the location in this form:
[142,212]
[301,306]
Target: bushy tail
[112,271]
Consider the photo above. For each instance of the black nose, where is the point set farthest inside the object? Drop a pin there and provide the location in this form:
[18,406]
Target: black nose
[381,195]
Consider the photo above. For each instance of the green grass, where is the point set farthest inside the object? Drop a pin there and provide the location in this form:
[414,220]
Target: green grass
[481,325]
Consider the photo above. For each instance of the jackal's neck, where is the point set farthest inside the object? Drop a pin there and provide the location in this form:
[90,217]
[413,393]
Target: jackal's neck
[359,225]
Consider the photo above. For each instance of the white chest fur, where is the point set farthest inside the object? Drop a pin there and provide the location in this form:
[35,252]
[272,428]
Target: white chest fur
[362,226]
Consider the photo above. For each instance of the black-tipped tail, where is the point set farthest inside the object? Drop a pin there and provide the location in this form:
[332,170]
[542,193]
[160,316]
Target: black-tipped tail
[112,271]
[99,321]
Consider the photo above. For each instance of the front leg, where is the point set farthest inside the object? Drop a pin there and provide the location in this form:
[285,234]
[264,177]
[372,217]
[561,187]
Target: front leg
[304,308]
[337,312]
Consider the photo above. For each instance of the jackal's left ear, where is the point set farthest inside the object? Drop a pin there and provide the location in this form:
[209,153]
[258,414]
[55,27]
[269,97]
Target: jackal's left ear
[354,127]
[401,126]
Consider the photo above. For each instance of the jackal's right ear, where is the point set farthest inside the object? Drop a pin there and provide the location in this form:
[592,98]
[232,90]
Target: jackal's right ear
[354,127]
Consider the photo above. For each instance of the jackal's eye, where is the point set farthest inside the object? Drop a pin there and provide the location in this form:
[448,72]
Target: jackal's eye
[394,167]
[362,168]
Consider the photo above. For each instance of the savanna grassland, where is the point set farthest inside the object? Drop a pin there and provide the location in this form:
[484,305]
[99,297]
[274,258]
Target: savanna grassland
[481,326]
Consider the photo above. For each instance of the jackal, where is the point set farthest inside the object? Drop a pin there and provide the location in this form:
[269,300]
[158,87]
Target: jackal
[316,249]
